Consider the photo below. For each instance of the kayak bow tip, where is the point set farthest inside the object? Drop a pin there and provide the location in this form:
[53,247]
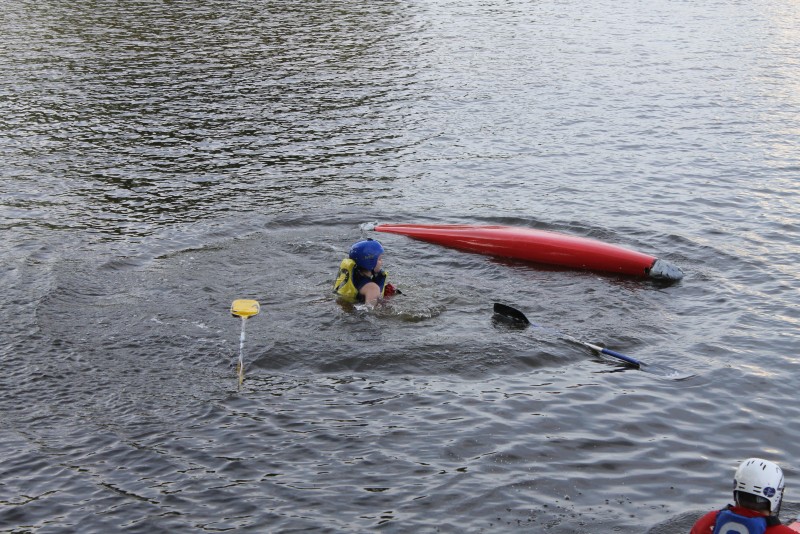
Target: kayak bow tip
[664,270]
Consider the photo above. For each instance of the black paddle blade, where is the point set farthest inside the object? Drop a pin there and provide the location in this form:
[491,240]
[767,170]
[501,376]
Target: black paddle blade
[510,313]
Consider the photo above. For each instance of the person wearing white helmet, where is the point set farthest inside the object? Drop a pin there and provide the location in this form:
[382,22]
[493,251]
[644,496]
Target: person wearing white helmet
[757,493]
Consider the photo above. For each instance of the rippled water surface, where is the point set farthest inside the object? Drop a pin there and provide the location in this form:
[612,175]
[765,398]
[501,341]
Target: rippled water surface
[161,159]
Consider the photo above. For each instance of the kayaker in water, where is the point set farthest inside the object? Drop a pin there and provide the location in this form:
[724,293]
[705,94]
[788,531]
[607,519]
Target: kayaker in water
[757,492]
[361,275]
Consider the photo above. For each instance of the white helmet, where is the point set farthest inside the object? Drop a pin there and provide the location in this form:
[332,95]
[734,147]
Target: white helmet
[761,478]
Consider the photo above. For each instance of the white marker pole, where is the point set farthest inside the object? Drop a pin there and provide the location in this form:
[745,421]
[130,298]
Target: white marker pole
[245,309]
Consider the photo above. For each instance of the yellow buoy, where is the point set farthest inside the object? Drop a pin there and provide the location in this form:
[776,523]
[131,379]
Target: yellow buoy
[245,308]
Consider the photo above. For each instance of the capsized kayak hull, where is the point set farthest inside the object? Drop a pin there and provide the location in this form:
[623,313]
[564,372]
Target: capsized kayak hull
[539,246]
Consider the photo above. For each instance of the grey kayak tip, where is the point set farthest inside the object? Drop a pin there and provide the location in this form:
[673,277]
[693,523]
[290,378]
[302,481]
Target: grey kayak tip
[664,270]
[368,226]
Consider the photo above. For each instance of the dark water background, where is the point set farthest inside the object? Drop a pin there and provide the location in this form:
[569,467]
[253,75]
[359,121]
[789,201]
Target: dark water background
[160,159]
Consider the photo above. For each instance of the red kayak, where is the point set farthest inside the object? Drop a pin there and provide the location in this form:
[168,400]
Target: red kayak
[539,246]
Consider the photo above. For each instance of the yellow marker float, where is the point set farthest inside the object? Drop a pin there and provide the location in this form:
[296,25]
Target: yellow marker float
[244,308]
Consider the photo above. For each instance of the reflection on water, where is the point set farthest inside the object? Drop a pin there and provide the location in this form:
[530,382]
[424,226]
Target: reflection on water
[165,115]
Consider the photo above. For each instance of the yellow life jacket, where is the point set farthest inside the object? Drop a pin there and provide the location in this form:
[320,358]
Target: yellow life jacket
[344,287]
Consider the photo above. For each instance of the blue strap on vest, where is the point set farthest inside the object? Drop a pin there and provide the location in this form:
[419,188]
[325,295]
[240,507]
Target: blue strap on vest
[730,523]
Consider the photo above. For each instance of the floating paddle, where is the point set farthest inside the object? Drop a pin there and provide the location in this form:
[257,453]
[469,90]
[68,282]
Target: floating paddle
[245,309]
[519,317]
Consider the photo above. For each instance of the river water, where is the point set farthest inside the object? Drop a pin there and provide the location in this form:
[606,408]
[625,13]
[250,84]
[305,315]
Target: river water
[161,159]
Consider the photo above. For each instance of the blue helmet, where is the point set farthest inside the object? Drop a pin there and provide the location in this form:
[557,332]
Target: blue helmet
[366,253]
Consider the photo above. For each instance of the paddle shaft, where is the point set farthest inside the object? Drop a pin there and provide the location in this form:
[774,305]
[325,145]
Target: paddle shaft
[613,353]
